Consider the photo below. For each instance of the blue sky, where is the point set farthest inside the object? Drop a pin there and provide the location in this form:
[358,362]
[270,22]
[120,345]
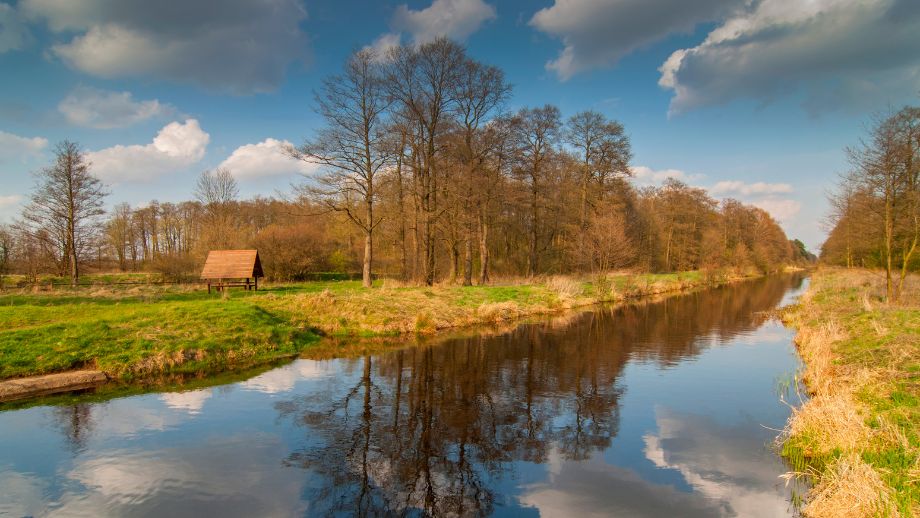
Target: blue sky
[754,99]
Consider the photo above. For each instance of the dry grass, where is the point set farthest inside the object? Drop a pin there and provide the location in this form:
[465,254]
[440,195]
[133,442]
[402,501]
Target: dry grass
[857,434]
[850,488]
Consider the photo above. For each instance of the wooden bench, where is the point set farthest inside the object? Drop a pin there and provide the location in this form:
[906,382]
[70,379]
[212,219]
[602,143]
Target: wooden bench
[220,284]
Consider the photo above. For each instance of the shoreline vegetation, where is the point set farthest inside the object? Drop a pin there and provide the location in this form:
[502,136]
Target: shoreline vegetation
[138,333]
[857,437]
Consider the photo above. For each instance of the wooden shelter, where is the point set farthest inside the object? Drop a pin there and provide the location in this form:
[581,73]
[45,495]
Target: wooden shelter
[226,268]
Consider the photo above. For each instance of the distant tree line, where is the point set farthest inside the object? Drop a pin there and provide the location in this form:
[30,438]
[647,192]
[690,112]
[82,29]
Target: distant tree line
[424,176]
[875,217]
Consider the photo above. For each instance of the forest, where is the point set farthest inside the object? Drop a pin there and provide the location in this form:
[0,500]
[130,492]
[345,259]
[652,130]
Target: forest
[424,175]
[875,217]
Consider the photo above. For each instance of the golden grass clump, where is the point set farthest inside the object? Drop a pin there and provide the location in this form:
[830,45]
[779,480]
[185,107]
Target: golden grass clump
[566,288]
[850,488]
[498,311]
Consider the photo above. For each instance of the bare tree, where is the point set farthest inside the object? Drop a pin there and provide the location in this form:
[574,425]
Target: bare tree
[422,81]
[65,205]
[6,251]
[120,233]
[217,192]
[480,91]
[603,152]
[536,133]
[216,188]
[351,148]
[886,168]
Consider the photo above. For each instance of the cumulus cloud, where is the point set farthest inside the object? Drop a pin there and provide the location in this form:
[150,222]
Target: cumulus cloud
[176,146]
[266,158]
[767,196]
[283,379]
[382,45]
[16,147]
[191,401]
[761,194]
[839,51]
[597,33]
[782,209]
[10,200]
[729,187]
[646,176]
[455,19]
[13,32]
[726,464]
[240,46]
[103,109]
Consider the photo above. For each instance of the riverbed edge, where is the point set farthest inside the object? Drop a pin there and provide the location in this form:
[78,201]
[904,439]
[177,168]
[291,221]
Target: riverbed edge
[501,312]
[838,436]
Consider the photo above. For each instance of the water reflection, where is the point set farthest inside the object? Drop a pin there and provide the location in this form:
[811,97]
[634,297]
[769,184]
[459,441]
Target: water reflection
[427,429]
[657,409]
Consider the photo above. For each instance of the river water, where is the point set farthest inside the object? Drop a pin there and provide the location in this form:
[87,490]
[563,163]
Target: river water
[661,408]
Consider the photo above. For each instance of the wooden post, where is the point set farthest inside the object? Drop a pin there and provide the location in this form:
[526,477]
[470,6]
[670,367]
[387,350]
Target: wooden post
[257,283]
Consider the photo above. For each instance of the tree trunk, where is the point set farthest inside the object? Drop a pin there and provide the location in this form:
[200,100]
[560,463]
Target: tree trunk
[483,250]
[532,256]
[366,277]
[468,256]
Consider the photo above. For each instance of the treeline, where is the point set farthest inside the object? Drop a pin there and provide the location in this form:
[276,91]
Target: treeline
[875,218]
[424,176]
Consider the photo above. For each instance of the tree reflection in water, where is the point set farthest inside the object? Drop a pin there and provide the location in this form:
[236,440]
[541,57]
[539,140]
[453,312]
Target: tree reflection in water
[429,430]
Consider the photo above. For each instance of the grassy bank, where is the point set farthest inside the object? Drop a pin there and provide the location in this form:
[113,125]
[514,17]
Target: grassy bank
[131,332]
[858,436]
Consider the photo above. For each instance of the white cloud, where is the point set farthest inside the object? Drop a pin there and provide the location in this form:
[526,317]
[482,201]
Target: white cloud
[176,146]
[730,187]
[720,463]
[283,379]
[455,19]
[383,44]
[16,147]
[266,158]
[11,200]
[782,209]
[838,50]
[13,33]
[761,194]
[191,401]
[239,46]
[103,109]
[646,176]
[598,33]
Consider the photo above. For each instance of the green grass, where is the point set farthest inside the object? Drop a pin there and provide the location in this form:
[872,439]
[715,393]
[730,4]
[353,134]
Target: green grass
[877,359]
[136,332]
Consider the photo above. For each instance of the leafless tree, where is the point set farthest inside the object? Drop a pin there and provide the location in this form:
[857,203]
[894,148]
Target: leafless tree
[480,91]
[423,80]
[6,251]
[536,134]
[351,148]
[216,188]
[65,205]
[603,152]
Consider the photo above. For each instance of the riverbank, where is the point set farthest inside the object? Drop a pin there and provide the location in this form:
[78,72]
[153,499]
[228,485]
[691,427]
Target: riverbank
[857,437]
[140,332]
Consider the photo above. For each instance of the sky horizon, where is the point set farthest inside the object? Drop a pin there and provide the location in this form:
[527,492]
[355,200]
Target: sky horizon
[750,99]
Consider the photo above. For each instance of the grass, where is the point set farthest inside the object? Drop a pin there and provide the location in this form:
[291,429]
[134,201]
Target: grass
[858,435]
[133,332]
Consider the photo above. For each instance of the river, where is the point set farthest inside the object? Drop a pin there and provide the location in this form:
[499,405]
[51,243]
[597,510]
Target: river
[664,408]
